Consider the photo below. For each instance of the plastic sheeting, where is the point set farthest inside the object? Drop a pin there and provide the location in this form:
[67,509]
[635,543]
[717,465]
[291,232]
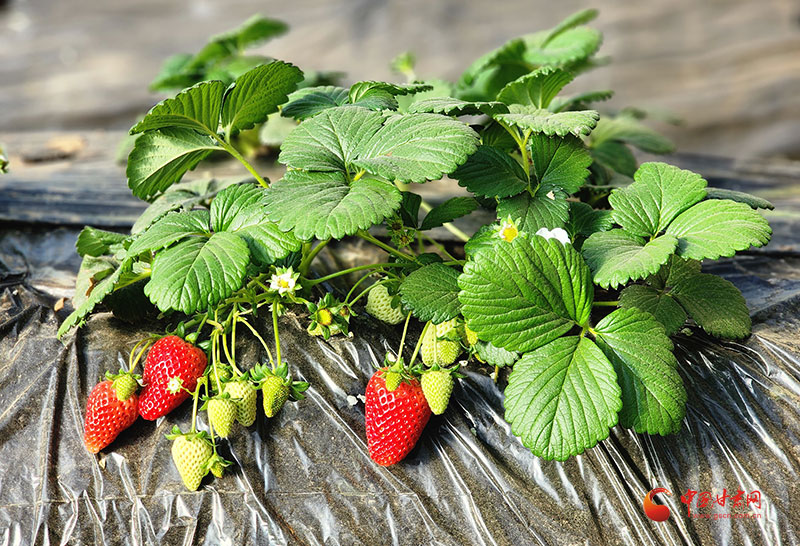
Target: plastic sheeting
[305,477]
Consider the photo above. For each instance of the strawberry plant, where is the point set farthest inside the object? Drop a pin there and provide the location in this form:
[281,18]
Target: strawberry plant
[592,263]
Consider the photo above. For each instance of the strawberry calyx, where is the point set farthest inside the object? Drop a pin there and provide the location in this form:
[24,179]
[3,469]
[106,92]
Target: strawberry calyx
[394,372]
[176,432]
[217,465]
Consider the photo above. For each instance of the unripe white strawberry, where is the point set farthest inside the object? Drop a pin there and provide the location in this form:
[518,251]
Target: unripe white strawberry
[379,305]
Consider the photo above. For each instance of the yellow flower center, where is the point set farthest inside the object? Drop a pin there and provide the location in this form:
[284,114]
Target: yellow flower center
[509,232]
[325,317]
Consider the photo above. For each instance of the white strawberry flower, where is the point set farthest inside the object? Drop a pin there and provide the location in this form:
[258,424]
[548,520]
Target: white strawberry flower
[284,281]
[556,233]
[174,385]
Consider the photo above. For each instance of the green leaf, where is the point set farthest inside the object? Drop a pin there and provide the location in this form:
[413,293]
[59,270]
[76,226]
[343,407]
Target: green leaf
[174,74]
[495,355]
[751,200]
[653,397]
[492,173]
[417,147]
[574,20]
[331,140]
[378,99]
[255,30]
[510,52]
[496,136]
[659,194]
[195,108]
[453,208]
[579,101]
[565,49]
[409,208]
[310,101]
[97,295]
[584,220]
[543,121]
[658,303]
[170,229]
[536,89]
[523,294]
[715,304]
[161,158]
[363,90]
[456,107]
[547,208]
[485,237]
[96,242]
[431,292]
[266,241]
[230,202]
[563,398]
[615,156]
[92,271]
[198,273]
[617,257]
[715,228]
[324,205]
[631,131]
[562,162]
[258,93]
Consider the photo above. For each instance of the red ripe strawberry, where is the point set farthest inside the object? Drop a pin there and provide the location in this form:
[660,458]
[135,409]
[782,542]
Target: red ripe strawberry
[172,365]
[395,419]
[107,415]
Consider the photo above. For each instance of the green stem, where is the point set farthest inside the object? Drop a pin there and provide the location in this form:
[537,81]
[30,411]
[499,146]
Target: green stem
[353,288]
[261,340]
[235,153]
[419,343]
[403,338]
[196,396]
[393,251]
[440,247]
[614,303]
[305,265]
[366,291]
[314,282]
[523,148]
[277,337]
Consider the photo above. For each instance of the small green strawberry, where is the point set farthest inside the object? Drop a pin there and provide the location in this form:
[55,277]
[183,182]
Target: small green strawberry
[190,453]
[222,413]
[276,391]
[448,330]
[442,352]
[437,386]
[217,465]
[379,305]
[244,396]
[125,384]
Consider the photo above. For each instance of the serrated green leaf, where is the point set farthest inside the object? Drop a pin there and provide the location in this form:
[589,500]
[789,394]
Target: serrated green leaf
[492,173]
[95,242]
[523,294]
[571,21]
[330,140]
[495,355]
[547,208]
[456,107]
[310,101]
[659,193]
[674,270]
[562,398]
[617,257]
[417,147]
[584,220]
[453,208]
[195,108]
[566,48]
[658,303]
[198,273]
[485,237]
[174,74]
[536,89]
[562,162]
[258,93]
[496,136]
[615,156]
[361,91]
[714,228]
[92,271]
[631,131]
[510,52]
[653,397]
[97,295]
[431,292]
[161,158]
[579,101]
[324,205]
[230,202]
[409,208]
[715,304]
[267,242]
[255,30]
[741,197]
[170,229]
[543,121]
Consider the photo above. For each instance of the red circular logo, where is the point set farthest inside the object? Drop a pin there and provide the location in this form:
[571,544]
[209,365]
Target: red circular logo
[656,512]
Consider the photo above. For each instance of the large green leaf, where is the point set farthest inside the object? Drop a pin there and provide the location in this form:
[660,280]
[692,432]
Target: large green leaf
[584,220]
[660,304]
[417,147]
[714,228]
[431,292]
[229,203]
[161,158]
[617,257]
[456,107]
[529,118]
[310,101]
[715,304]
[536,89]
[562,162]
[491,172]
[616,156]
[631,131]
[170,229]
[251,32]
[547,208]
[266,241]
[571,21]
[195,108]
[564,49]
[659,194]
[95,242]
[361,91]
[526,293]
[324,205]
[495,355]
[453,208]
[751,200]
[653,397]
[509,53]
[258,93]
[562,398]
[198,273]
